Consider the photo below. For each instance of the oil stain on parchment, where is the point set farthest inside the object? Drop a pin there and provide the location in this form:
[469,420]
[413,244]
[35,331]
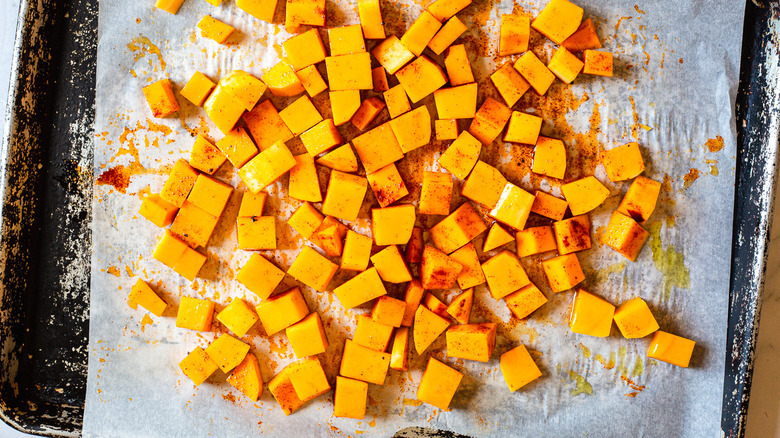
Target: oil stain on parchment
[141,46]
[581,386]
[669,262]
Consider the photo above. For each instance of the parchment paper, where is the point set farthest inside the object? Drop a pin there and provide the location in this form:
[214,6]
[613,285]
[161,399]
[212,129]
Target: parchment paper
[677,64]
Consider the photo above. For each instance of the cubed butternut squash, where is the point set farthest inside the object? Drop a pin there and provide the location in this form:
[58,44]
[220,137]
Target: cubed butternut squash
[484,185]
[260,276]
[307,336]
[518,368]
[413,129]
[591,315]
[623,162]
[349,72]
[504,274]
[142,294]
[573,234]
[558,20]
[360,289]
[345,195]
[472,341]
[238,317]
[313,269]
[197,89]
[342,158]
[525,301]
[461,156]
[471,275]
[458,66]
[460,307]
[361,363]
[523,128]
[490,120]
[266,167]
[206,157]
[420,33]
[535,72]
[427,327]
[391,266]
[282,310]
[436,193]
[377,148]
[357,251]
[227,352]
[497,237]
[584,38]
[456,102]
[597,63]
[421,77]
[640,199]
[510,84]
[350,398]
[514,34]
[563,272]
[438,270]
[584,195]
[564,65]
[634,319]
[459,228]
[625,236]
[670,348]
[449,32]
[393,225]
[439,383]
[535,240]
[513,206]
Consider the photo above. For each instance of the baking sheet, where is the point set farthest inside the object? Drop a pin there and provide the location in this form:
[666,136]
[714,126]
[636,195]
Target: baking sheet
[674,88]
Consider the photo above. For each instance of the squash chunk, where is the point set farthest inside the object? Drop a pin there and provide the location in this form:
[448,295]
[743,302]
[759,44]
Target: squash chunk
[584,38]
[439,383]
[461,156]
[195,314]
[623,162]
[214,29]
[472,341]
[266,126]
[193,225]
[360,289]
[268,166]
[223,108]
[514,35]
[671,349]
[350,398]
[549,157]
[525,301]
[634,319]
[397,101]
[260,276]
[370,12]
[345,195]
[549,206]
[342,158]
[413,129]
[313,269]
[523,128]
[558,20]
[497,237]
[387,185]
[573,234]
[308,378]
[393,225]
[446,129]
[305,220]
[142,294]
[535,72]
[504,274]
[456,102]
[361,363]
[391,266]
[640,199]
[584,194]
[563,272]
[372,334]
[392,54]
[369,109]
[513,206]
[300,12]
[460,307]
[227,352]
[350,72]
[305,49]
[564,65]
[510,84]
[458,66]
[597,63]
[591,315]
[245,87]
[282,389]
[260,9]
[321,138]
[414,248]
[438,270]
[457,229]
[490,120]
[304,183]
[484,185]
[472,274]
[197,89]
[246,377]
[282,80]
[412,298]
[282,310]
[444,9]
[206,157]
[388,311]
[451,31]
[436,193]
[535,240]
[518,368]
[312,81]
[238,317]
[625,236]
[179,183]
[421,77]
[307,336]
[346,40]
[420,33]
[427,327]
[377,148]
[198,366]
[357,251]
[399,352]
[159,211]
[344,104]
[300,115]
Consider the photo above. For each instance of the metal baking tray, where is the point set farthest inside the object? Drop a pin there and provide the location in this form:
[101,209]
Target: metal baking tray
[45,236]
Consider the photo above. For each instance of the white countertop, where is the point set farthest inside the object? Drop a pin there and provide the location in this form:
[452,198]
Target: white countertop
[764,414]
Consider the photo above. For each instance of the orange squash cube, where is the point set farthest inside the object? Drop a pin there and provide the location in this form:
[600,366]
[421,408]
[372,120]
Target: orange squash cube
[305,220]
[246,88]
[361,363]
[444,9]
[304,183]
[391,266]
[399,352]
[436,193]
[377,148]
[194,225]
[591,315]
[421,77]
[513,206]
[210,195]
[342,158]
[420,33]
[584,195]
[497,237]
[252,204]
[438,270]
[307,336]
[472,341]
[195,314]
[490,120]
[282,389]
[625,236]
[388,311]
[158,211]
[446,129]
[350,72]
[370,12]
[282,310]
[198,366]
[518,368]
[671,349]
[214,29]
[346,40]
[461,156]
[266,126]
[640,199]
[564,65]
[345,195]
[206,157]
[558,20]
[439,383]
[372,334]
[300,12]
[330,236]
[246,377]
[266,167]
[344,104]
[535,72]
[523,128]
[179,183]
[456,102]
[142,294]
[312,81]
[623,162]
[484,185]
[190,263]
[525,301]
[634,319]
[169,249]
[393,225]
[392,54]
[412,298]
[282,80]
[256,232]
[350,398]
[197,88]
[514,34]
[369,109]
[357,251]
[223,108]
[313,269]
[597,63]
[397,101]
[509,83]
[227,352]
[535,240]
[458,66]
[238,317]
[413,129]
[260,9]
[584,38]
[573,234]
[360,289]
[305,49]
[549,206]
[504,274]
[428,326]
[237,147]
[460,307]
[300,115]
[435,305]
[457,229]
[387,185]
[451,31]
[260,276]
[414,247]
[563,272]
[321,138]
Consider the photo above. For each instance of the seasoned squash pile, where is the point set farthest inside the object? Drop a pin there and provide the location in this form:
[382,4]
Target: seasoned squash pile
[368,71]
